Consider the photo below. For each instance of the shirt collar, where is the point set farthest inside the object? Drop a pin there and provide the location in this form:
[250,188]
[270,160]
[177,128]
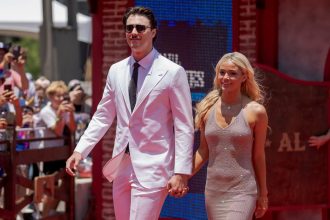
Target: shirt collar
[146,61]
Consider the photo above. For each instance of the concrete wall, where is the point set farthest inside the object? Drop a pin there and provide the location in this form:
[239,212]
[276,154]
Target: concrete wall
[304,38]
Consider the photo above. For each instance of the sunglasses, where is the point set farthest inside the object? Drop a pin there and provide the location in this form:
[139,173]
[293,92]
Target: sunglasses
[139,28]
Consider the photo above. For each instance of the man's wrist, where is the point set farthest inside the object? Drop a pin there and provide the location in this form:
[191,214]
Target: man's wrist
[183,176]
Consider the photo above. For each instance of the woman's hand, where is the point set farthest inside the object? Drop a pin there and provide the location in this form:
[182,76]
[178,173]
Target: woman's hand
[3,99]
[11,97]
[65,106]
[3,123]
[318,141]
[262,206]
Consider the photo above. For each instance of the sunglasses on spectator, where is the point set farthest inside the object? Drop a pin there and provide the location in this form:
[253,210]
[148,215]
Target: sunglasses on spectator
[140,28]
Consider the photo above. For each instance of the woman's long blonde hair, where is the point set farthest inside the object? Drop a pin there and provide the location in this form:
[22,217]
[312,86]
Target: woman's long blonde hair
[249,87]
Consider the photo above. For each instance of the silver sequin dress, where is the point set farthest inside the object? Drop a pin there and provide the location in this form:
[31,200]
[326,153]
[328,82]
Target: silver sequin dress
[231,189]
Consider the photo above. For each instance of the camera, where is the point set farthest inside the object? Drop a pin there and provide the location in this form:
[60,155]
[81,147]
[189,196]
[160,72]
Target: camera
[7,87]
[16,50]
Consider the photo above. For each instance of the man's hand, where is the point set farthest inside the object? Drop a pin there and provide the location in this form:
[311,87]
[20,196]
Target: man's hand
[177,185]
[72,163]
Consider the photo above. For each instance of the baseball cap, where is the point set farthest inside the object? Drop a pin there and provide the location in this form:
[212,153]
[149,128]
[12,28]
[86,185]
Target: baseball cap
[73,84]
[4,46]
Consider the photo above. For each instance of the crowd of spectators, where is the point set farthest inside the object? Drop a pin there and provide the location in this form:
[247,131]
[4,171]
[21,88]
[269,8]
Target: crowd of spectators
[38,108]
[29,103]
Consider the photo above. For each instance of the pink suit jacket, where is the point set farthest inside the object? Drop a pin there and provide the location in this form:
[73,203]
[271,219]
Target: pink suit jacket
[160,129]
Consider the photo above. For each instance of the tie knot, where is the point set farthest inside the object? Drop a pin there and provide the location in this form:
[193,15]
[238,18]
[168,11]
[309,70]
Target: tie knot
[136,65]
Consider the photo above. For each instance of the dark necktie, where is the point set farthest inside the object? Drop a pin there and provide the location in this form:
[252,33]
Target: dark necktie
[132,85]
[132,91]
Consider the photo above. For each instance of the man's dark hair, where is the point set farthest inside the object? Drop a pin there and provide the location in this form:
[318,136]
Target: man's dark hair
[143,11]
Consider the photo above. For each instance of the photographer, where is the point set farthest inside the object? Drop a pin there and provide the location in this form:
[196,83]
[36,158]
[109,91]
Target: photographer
[78,96]
[58,113]
[58,117]
[10,108]
[10,115]
[82,105]
[13,67]
[39,100]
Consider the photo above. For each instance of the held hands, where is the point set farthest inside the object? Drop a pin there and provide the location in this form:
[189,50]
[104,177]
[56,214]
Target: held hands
[72,163]
[177,185]
[262,206]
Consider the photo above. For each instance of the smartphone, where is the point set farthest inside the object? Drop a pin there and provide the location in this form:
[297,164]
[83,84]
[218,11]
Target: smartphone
[66,98]
[7,87]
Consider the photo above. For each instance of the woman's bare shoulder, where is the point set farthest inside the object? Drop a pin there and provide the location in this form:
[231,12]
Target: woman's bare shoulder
[256,109]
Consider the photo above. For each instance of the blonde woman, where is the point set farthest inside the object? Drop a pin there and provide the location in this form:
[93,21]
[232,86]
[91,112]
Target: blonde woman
[58,113]
[233,127]
[57,116]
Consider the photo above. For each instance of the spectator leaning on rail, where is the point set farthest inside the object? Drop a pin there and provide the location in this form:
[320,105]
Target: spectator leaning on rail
[9,107]
[58,117]
[82,108]
[40,99]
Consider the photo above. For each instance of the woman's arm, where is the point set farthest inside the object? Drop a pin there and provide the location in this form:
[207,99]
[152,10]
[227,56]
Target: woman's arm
[18,66]
[259,161]
[202,153]
[71,123]
[318,141]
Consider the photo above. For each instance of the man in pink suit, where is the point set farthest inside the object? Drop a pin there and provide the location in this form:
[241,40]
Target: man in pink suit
[150,97]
